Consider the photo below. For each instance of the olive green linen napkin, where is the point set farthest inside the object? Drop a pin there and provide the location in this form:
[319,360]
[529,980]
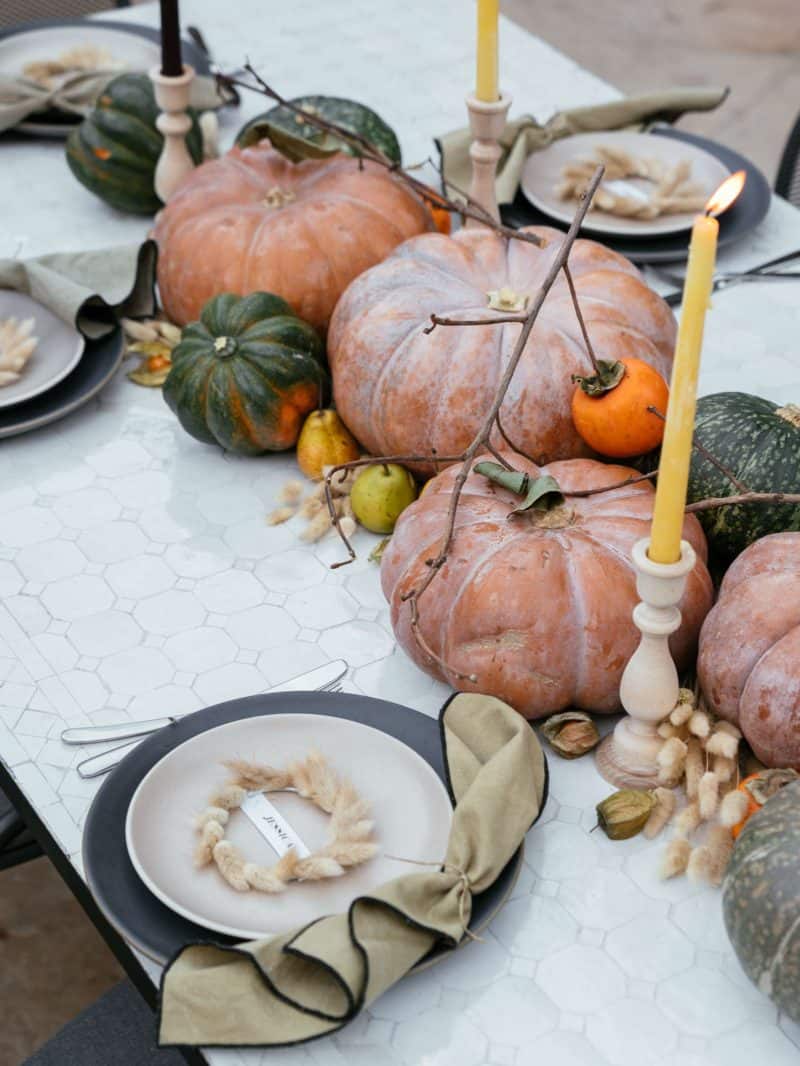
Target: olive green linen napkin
[525,135]
[312,981]
[76,94]
[90,290]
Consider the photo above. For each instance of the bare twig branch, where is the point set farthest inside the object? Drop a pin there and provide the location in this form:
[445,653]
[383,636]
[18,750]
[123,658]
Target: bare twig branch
[743,497]
[706,454]
[514,447]
[496,320]
[579,313]
[614,485]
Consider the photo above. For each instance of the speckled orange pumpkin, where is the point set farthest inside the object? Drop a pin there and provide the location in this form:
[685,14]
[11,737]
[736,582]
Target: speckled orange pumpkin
[538,606]
[254,221]
[750,649]
[401,391]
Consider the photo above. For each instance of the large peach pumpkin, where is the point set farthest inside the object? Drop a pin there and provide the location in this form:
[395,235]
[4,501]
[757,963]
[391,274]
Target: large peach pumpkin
[402,391]
[254,221]
[749,662]
[537,606]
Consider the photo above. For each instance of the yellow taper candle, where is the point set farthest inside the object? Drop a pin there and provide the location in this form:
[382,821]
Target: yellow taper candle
[676,450]
[486,85]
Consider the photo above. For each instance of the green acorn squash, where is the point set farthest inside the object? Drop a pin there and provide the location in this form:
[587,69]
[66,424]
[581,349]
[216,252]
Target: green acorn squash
[247,374]
[761,899]
[115,149]
[759,442]
[350,115]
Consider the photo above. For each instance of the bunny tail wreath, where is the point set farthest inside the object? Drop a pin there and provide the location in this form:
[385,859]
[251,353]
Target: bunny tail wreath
[350,841]
[307,982]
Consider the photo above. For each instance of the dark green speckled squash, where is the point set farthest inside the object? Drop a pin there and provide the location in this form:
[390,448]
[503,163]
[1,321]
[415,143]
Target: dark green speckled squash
[761,899]
[115,149]
[247,374]
[349,114]
[759,442]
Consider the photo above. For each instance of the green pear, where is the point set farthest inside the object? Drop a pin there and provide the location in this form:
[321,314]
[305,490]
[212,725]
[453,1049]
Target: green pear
[380,494]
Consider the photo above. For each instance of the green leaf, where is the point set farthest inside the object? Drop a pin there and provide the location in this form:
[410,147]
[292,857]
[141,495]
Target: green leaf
[294,148]
[540,492]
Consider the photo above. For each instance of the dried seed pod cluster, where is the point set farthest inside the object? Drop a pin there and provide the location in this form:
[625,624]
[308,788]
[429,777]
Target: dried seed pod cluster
[314,507]
[17,345]
[153,339]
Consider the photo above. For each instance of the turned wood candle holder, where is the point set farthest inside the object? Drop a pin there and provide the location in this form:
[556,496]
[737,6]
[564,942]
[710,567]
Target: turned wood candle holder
[172,97]
[487,120]
[649,687]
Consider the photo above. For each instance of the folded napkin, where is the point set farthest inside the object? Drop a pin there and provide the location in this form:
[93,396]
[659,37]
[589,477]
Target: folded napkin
[90,290]
[76,94]
[314,980]
[526,135]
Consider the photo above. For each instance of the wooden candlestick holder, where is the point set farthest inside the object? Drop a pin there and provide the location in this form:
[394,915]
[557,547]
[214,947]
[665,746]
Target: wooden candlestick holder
[649,687]
[172,97]
[487,120]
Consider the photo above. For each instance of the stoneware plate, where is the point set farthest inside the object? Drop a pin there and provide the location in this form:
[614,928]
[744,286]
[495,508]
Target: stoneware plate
[410,807]
[133,48]
[542,173]
[93,372]
[57,353]
[157,930]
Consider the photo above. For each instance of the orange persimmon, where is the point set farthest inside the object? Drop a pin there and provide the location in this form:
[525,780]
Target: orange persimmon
[441,217]
[752,804]
[617,422]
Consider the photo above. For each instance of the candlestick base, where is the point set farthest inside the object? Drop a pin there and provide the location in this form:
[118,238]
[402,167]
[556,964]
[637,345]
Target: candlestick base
[487,120]
[649,687]
[175,162]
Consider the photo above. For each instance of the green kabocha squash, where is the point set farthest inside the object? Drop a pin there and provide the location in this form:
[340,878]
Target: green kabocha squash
[247,374]
[761,899]
[759,442]
[115,149]
[350,115]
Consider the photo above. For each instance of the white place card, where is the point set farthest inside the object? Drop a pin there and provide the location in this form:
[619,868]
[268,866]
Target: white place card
[273,826]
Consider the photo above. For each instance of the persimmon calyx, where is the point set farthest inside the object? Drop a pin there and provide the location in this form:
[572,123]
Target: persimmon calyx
[608,376]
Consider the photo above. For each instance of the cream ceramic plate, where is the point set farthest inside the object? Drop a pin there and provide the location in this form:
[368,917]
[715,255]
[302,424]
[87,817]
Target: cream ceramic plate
[57,353]
[410,805]
[542,173]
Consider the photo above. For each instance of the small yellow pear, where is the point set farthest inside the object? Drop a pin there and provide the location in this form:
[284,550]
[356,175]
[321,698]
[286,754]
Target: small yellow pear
[324,441]
[380,495]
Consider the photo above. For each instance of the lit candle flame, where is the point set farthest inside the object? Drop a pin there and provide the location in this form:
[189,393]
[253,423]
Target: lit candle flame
[724,196]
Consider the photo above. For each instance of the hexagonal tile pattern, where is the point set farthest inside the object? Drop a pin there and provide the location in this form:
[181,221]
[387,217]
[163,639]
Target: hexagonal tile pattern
[632,1033]
[137,670]
[650,949]
[513,1007]
[534,927]
[170,612]
[27,525]
[358,642]
[235,590]
[580,978]
[111,542]
[104,633]
[143,576]
[289,571]
[441,1037]
[50,561]
[87,508]
[262,627]
[77,597]
[603,899]
[707,1003]
[200,649]
[322,607]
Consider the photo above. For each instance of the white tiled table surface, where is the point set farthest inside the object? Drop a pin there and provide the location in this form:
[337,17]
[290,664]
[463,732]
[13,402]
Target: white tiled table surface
[138,577]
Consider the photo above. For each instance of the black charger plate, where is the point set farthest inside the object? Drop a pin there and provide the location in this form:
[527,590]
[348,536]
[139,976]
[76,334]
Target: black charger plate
[98,364]
[146,922]
[189,50]
[735,223]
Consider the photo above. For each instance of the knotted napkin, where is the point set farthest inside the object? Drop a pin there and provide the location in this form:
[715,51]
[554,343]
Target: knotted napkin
[90,290]
[525,135]
[314,980]
[77,93]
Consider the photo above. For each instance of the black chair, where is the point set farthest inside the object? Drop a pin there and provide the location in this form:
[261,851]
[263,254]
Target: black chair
[787,183]
[117,1030]
[17,844]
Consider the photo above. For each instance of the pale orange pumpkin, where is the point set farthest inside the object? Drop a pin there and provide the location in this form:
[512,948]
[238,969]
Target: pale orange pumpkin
[537,606]
[750,649]
[401,391]
[254,221]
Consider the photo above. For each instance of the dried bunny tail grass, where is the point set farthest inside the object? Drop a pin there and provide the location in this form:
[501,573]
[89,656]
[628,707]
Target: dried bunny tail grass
[314,779]
[667,730]
[661,813]
[211,834]
[708,863]
[350,852]
[700,724]
[272,879]
[676,858]
[729,728]
[230,797]
[670,761]
[688,820]
[316,529]
[256,778]
[708,795]
[279,516]
[212,814]
[347,525]
[699,866]
[684,708]
[311,507]
[694,767]
[724,768]
[317,868]
[723,744]
[231,864]
[733,809]
[291,492]
[341,483]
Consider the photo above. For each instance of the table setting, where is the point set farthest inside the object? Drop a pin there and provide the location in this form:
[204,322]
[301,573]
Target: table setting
[398,539]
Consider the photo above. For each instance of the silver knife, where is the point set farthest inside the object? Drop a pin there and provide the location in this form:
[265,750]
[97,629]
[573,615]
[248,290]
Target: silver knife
[320,679]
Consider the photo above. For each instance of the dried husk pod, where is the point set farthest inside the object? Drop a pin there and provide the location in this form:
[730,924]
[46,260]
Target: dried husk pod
[571,734]
[625,813]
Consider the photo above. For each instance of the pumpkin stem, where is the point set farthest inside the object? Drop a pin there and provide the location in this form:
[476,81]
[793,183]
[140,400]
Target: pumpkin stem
[225,347]
[608,376]
[790,412]
[506,299]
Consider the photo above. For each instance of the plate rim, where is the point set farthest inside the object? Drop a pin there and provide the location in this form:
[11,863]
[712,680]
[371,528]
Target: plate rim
[77,354]
[186,912]
[601,227]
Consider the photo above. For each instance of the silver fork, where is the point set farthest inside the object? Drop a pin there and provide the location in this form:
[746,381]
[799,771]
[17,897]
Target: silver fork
[135,732]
